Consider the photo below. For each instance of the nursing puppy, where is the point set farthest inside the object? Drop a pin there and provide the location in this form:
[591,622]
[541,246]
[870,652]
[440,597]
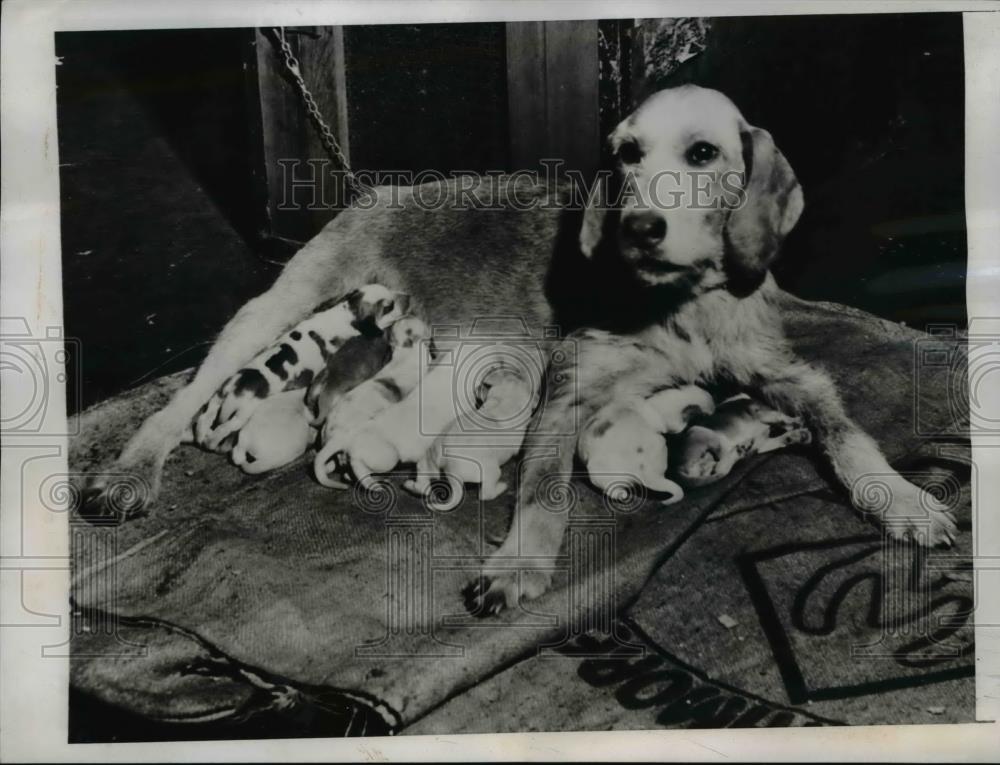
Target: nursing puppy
[740,427]
[279,431]
[294,359]
[402,433]
[474,449]
[624,445]
[411,354]
[358,360]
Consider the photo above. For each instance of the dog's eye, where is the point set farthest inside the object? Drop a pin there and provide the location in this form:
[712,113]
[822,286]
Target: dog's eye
[701,153]
[630,153]
[388,307]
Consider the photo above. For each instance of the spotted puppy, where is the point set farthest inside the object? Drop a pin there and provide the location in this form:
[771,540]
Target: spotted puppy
[293,361]
[474,449]
[623,445]
[740,427]
[347,414]
[281,427]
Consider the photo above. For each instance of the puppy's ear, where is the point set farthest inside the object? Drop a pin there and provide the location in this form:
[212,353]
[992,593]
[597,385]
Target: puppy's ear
[592,227]
[772,203]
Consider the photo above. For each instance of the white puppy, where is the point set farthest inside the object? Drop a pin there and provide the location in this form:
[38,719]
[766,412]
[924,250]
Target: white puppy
[624,444]
[277,433]
[402,433]
[474,449]
[411,355]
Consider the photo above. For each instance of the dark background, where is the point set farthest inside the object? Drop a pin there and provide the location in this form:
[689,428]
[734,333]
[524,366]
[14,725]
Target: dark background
[161,227]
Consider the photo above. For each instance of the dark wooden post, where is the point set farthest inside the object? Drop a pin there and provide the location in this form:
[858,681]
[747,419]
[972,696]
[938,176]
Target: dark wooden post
[552,85]
[295,165]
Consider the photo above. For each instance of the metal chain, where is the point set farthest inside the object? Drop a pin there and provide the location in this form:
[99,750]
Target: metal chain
[326,135]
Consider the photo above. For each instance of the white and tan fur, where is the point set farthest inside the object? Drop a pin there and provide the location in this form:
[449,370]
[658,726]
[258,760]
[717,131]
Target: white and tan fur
[624,444]
[709,310]
[411,355]
[740,427]
[711,266]
[473,450]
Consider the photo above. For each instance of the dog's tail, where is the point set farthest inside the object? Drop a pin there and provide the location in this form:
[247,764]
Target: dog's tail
[663,485]
[322,467]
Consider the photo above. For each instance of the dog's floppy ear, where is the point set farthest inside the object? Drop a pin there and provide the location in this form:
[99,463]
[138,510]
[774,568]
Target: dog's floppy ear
[771,205]
[592,227]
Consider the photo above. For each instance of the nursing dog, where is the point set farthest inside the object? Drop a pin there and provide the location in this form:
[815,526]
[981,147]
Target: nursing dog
[688,281]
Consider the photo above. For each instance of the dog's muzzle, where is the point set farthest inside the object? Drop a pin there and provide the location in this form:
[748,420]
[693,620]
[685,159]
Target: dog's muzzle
[644,230]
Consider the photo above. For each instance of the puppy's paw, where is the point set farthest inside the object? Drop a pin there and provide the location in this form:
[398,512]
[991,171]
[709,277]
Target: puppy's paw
[222,416]
[489,595]
[204,421]
[223,436]
[798,436]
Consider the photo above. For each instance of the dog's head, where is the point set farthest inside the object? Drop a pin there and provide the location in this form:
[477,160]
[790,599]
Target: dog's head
[700,198]
[408,332]
[375,307]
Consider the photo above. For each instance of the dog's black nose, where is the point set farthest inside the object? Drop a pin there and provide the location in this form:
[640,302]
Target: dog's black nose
[645,229]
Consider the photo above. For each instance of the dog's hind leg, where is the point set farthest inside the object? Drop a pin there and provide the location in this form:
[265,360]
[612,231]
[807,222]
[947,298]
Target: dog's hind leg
[905,510]
[317,272]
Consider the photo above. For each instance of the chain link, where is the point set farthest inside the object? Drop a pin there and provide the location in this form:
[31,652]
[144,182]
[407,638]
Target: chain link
[326,135]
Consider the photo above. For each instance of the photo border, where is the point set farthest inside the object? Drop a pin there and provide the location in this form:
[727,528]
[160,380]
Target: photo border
[34,543]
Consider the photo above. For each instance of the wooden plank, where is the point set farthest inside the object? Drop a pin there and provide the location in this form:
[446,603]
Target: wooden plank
[322,60]
[527,115]
[288,134]
[255,139]
[572,71]
[553,73]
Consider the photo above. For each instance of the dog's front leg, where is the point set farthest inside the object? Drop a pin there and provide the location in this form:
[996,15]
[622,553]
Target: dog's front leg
[906,510]
[522,567]
[309,277]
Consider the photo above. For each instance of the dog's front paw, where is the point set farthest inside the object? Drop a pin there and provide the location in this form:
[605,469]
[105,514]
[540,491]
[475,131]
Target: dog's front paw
[918,515]
[489,595]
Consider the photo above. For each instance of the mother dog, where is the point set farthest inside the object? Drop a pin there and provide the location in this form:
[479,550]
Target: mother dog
[683,287]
